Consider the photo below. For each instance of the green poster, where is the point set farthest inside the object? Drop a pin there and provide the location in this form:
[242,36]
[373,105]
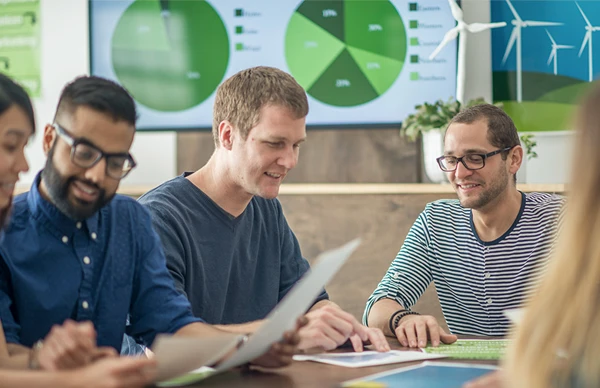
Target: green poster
[20,42]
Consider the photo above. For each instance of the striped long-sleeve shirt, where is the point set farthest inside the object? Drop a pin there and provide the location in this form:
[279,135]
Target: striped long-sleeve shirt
[475,280]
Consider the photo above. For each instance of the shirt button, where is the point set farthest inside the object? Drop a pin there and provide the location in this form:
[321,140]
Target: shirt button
[489,301]
[85,304]
[86,260]
[65,239]
[78,225]
[94,235]
[487,275]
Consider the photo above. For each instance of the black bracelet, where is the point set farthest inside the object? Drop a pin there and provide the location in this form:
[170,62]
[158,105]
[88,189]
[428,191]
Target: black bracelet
[402,315]
[391,321]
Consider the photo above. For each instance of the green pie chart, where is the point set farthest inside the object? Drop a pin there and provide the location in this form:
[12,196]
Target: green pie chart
[345,52]
[170,55]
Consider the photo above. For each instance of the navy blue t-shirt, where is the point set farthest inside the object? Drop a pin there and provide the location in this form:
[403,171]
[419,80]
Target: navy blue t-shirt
[232,269]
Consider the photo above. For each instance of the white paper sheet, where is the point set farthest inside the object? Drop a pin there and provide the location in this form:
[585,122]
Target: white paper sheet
[293,305]
[515,315]
[368,358]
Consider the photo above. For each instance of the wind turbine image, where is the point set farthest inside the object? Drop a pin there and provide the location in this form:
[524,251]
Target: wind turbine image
[166,15]
[587,39]
[515,36]
[461,28]
[554,52]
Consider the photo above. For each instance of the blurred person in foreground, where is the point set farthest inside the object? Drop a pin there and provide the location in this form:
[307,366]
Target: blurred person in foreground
[557,343]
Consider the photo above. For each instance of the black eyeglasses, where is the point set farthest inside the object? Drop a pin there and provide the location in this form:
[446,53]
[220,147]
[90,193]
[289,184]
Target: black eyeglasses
[85,155]
[470,161]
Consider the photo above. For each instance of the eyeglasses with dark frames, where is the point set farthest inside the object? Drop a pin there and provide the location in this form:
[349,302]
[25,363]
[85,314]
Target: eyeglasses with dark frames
[470,161]
[86,155]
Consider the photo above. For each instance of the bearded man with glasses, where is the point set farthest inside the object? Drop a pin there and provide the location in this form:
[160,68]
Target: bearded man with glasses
[77,251]
[485,251]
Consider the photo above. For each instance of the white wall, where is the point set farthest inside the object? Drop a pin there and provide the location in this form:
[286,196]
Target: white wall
[65,55]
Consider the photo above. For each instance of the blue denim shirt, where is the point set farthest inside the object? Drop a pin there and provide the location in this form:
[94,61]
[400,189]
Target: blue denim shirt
[112,264]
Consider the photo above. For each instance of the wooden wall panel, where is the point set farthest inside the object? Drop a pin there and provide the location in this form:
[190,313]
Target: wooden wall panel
[321,222]
[193,150]
[329,156]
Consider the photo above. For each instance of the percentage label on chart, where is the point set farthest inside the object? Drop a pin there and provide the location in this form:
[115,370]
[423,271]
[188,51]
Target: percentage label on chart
[342,83]
[193,75]
[373,65]
[310,44]
[329,13]
[143,28]
[375,27]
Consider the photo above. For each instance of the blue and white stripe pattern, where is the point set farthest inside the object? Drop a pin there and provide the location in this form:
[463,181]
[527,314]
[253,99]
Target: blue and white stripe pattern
[475,280]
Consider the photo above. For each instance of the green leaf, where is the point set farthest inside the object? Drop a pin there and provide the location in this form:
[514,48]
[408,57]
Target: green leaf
[529,144]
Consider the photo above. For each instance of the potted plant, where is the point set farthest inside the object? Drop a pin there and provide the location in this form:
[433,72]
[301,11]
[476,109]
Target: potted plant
[430,121]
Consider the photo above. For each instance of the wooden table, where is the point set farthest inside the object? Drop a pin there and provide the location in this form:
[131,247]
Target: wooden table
[307,374]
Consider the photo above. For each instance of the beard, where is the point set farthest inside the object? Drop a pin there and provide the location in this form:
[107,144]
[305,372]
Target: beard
[491,193]
[58,191]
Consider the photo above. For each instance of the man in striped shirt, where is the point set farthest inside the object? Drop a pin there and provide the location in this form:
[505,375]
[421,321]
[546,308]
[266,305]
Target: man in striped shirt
[484,251]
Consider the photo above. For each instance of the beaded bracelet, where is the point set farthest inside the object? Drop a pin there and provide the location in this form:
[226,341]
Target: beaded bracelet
[402,315]
[391,321]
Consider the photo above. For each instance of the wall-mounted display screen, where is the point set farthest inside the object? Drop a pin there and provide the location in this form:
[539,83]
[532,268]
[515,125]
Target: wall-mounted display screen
[361,62]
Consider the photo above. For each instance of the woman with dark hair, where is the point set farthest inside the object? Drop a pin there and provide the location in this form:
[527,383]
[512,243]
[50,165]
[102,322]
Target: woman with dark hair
[17,125]
[74,342]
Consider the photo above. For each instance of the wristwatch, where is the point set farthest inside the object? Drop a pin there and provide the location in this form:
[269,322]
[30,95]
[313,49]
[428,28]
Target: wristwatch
[34,362]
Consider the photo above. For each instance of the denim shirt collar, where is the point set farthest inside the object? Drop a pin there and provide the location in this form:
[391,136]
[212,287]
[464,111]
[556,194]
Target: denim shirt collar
[41,207]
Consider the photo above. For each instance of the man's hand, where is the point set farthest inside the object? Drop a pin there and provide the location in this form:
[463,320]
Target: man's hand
[69,346]
[329,327]
[414,330]
[280,354]
[490,380]
[122,372]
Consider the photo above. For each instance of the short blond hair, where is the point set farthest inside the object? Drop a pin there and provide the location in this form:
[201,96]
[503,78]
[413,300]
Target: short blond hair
[241,97]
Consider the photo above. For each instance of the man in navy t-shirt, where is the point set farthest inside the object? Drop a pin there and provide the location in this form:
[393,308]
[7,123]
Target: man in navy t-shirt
[228,245]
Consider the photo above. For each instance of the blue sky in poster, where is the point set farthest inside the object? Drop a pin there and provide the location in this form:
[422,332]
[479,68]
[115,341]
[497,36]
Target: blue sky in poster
[536,45]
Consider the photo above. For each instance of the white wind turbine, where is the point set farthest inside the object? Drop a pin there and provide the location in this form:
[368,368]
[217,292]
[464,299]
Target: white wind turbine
[461,28]
[515,36]
[553,53]
[588,40]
